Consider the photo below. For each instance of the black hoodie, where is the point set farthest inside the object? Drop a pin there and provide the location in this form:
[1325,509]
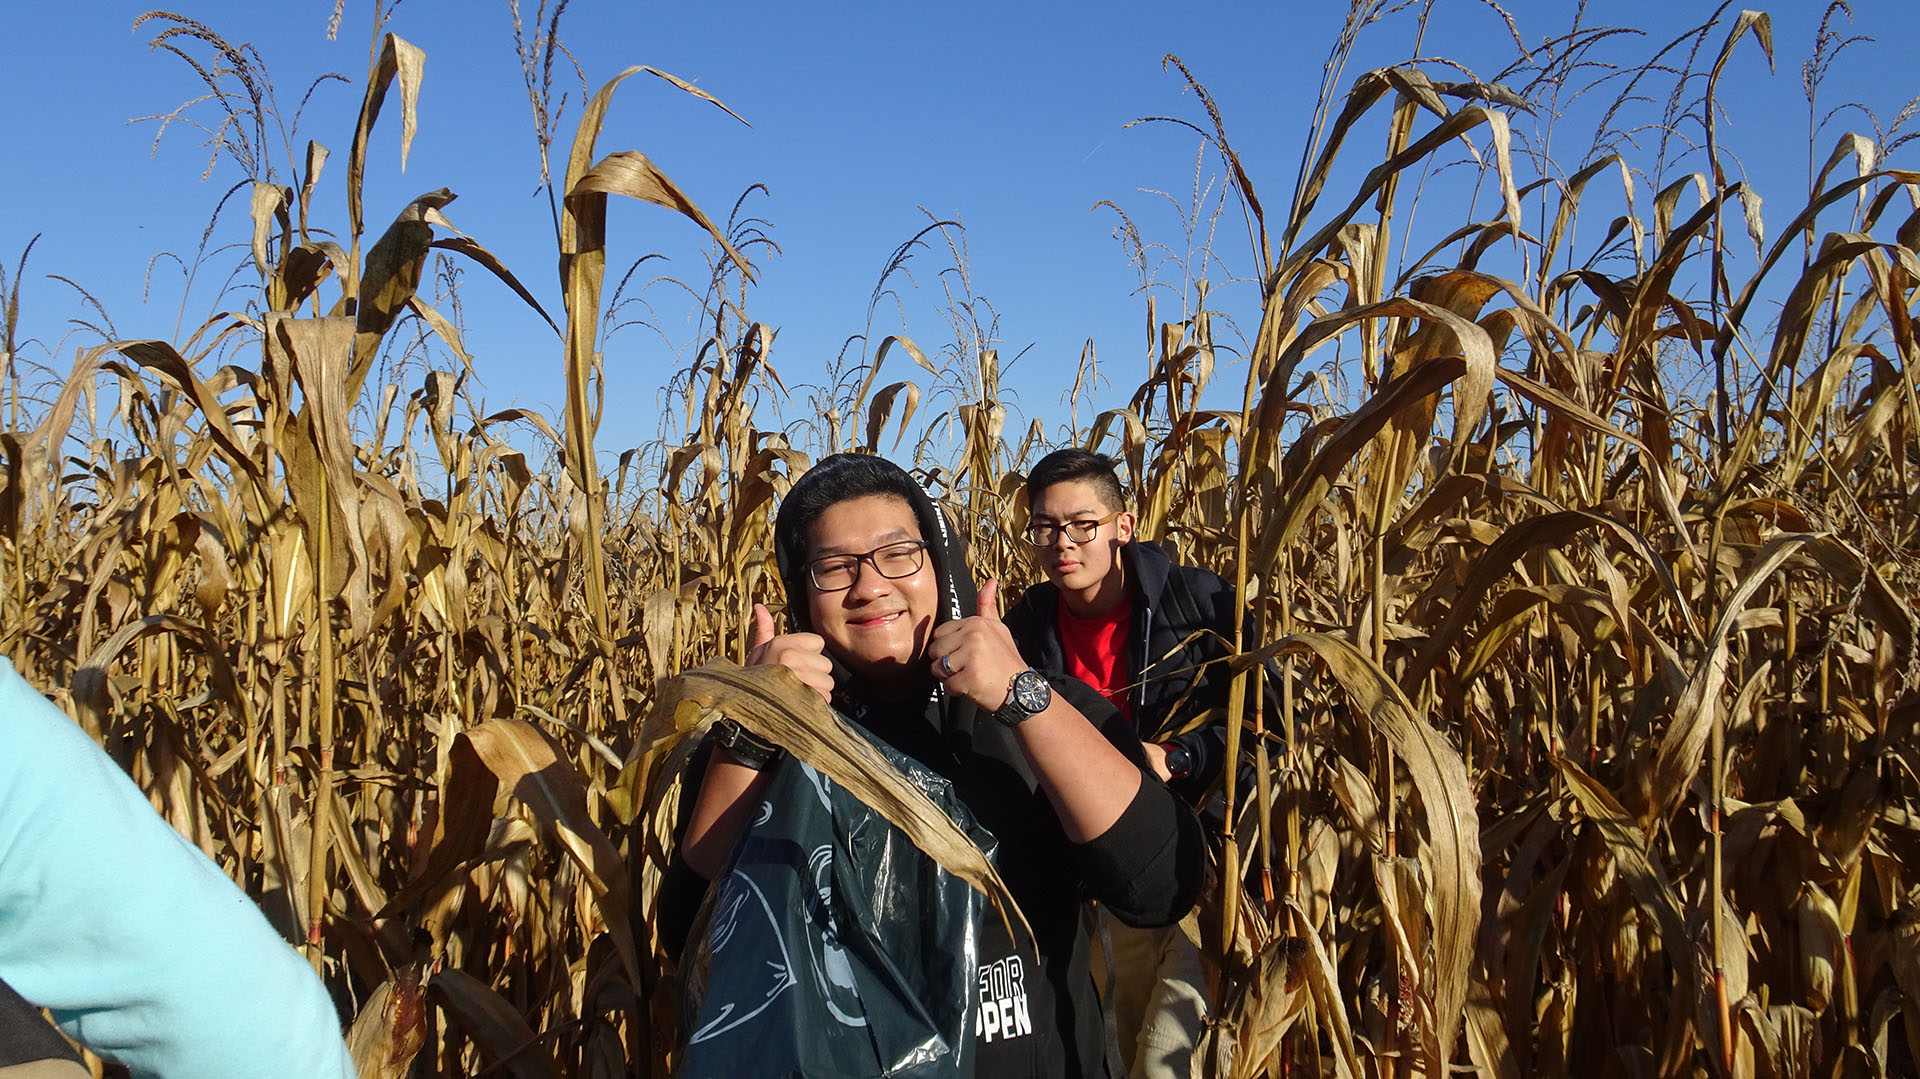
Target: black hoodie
[1146,869]
[1179,637]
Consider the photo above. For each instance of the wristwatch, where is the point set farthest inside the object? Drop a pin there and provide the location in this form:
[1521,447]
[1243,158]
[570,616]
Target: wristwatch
[1027,696]
[1179,761]
[742,747]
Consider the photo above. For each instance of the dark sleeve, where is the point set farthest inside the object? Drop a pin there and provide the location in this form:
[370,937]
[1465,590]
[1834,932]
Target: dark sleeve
[26,1039]
[1025,625]
[1147,869]
[1208,745]
[682,890]
[1149,866]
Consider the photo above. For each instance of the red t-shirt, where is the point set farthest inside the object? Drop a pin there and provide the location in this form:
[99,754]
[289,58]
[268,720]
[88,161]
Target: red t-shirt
[1096,650]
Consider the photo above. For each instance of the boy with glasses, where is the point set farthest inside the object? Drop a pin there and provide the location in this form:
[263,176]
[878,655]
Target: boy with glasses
[887,627]
[1117,614]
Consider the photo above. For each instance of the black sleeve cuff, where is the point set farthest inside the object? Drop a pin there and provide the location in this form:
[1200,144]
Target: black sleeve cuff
[1148,867]
[682,890]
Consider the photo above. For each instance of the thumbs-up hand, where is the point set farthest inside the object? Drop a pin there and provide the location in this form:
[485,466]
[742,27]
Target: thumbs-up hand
[976,657]
[805,654]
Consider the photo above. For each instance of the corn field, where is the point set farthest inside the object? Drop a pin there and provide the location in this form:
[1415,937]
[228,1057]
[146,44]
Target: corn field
[1588,557]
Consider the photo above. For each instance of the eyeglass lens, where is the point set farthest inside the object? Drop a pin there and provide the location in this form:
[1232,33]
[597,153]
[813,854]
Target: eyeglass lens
[893,561]
[1045,533]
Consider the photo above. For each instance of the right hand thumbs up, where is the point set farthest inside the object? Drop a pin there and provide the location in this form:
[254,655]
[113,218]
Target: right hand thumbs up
[805,654]
[763,631]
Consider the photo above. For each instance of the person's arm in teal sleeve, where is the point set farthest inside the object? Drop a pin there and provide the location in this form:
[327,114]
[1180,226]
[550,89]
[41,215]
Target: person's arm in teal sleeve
[139,946]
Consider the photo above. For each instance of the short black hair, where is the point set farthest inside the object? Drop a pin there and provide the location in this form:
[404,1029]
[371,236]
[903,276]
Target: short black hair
[1065,466]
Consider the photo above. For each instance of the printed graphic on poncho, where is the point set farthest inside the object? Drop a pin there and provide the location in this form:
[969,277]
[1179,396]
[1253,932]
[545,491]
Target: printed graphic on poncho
[1003,1001]
[746,919]
[744,915]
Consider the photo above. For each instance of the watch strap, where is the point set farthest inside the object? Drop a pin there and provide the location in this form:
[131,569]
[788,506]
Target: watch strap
[742,746]
[1179,761]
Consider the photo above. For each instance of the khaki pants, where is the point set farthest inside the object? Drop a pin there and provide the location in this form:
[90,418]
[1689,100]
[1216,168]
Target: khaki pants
[46,1069]
[1159,998]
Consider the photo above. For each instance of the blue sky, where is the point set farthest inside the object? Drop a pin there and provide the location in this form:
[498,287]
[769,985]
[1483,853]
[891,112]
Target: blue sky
[1008,117]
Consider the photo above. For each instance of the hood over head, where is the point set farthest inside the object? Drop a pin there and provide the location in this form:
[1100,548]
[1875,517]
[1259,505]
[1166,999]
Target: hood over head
[956,726]
[844,476]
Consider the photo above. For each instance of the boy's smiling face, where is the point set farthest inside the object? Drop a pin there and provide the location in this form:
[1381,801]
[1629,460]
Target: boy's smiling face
[878,626]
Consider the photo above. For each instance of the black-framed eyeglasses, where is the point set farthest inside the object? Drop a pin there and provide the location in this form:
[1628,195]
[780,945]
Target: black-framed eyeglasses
[837,572]
[1046,533]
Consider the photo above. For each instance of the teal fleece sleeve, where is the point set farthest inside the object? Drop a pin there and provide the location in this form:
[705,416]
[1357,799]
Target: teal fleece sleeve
[139,946]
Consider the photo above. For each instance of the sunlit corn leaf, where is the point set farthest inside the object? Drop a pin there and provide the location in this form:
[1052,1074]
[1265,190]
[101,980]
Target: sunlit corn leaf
[458,830]
[1824,954]
[525,761]
[873,373]
[880,411]
[1261,1010]
[397,58]
[389,280]
[161,357]
[1329,1002]
[772,703]
[442,329]
[1312,466]
[1644,877]
[269,201]
[1696,710]
[1397,883]
[491,262]
[1487,1043]
[1534,534]
[1447,306]
[1451,853]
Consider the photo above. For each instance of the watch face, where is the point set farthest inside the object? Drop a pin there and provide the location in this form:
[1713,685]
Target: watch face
[1031,691]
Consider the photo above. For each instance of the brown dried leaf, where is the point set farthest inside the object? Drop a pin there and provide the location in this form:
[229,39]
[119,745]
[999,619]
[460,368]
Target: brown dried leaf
[494,1024]
[1259,1012]
[401,58]
[1823,946]
[772,703]
[269,201]
[631,173]
[390,278]
[1700,704]
[525,760]
[1450,850]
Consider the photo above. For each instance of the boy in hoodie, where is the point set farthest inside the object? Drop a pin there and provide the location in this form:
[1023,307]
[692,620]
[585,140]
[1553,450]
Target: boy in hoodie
[1116,613]
[886,626]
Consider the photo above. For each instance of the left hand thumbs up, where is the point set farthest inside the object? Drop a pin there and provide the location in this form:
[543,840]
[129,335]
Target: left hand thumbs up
[976,657]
